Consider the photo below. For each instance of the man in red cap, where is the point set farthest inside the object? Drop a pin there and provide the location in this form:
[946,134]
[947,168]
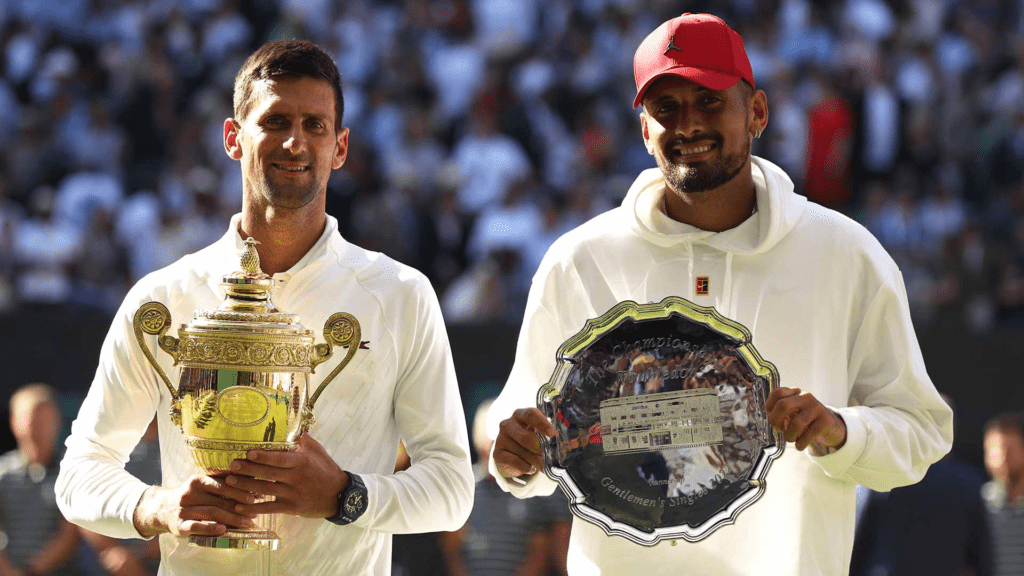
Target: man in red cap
[824,301]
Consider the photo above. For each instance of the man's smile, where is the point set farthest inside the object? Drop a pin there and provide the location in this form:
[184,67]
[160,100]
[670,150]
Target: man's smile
[686,151]
[291,167]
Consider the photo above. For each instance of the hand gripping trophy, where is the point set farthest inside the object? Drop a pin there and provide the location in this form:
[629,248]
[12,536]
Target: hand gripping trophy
[245,376]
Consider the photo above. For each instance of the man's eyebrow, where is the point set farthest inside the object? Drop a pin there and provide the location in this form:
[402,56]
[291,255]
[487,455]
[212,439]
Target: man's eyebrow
[305,116]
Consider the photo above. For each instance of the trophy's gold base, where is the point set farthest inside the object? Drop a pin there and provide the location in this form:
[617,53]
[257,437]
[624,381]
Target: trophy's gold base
[239,539]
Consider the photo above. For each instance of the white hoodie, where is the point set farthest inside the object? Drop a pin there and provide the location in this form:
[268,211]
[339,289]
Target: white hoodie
[824,303]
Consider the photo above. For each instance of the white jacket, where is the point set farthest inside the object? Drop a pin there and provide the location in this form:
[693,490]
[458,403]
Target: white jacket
[824,303]
[402,386]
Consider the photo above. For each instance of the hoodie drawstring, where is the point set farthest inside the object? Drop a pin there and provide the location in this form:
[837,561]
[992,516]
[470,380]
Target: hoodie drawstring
[689,272]
[727,299]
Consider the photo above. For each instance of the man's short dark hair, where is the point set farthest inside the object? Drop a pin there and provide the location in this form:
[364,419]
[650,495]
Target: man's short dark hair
[746,90]
[1006,422]
[287,59]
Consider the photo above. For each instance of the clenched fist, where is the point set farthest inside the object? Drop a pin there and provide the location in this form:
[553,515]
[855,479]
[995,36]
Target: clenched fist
[804,420]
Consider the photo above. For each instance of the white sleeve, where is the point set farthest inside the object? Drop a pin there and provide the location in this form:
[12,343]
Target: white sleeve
[897,424]
[93,489]
[542,333]
[436,492]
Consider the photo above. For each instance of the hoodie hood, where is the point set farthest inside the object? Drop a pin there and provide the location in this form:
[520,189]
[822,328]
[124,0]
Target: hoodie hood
[778,210]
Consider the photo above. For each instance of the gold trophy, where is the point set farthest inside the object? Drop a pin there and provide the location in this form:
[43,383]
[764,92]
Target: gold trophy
[244,379]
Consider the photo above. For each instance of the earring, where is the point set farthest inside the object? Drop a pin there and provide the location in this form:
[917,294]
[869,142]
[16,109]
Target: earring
[758,133]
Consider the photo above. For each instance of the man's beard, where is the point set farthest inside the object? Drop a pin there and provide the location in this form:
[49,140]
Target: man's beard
[294,195]
[703,176]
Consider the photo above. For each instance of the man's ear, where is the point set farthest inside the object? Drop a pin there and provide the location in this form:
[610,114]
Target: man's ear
[340,149]
[231,144]
[646,133]
[758,113]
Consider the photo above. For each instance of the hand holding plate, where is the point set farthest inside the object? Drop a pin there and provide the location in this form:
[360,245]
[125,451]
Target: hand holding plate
[804,420]
[517,450]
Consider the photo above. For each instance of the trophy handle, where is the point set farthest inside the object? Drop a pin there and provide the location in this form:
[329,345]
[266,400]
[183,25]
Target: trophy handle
[341,329]
[154,319]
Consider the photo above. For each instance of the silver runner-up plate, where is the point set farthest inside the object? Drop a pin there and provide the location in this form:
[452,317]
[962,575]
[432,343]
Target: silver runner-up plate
[661,426]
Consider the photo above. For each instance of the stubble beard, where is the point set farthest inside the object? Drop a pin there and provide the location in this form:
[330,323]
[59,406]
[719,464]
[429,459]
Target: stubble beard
[289,196]
[702,176]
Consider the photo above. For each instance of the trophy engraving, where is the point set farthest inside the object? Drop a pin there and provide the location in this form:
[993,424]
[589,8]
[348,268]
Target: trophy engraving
[661,426]
[244,381]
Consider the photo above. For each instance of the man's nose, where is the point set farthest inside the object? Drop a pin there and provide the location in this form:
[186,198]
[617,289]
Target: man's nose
[689,123]
[296,141]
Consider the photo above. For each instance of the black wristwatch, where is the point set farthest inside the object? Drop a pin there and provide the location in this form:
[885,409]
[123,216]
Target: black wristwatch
[351,502]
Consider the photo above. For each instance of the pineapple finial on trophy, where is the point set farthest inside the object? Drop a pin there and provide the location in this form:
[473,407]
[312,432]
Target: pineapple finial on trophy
[251,259]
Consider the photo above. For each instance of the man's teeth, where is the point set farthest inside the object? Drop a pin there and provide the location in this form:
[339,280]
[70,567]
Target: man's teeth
[697,150]
[292,168]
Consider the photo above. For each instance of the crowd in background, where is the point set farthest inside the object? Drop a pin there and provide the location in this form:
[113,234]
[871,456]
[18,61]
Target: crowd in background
[484,129]
[481,130]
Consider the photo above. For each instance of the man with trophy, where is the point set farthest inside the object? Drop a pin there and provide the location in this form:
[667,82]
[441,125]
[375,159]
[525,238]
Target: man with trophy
[677,318]
[252,481]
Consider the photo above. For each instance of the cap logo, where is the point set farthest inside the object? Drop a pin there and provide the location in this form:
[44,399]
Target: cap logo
[671,45]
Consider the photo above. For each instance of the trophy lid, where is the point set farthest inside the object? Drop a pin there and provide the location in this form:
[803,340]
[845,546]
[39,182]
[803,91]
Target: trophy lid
[247,306]
[246,331]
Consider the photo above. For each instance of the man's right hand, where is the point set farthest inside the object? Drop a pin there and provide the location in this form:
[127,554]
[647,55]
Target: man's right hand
[516,449]
[203,505]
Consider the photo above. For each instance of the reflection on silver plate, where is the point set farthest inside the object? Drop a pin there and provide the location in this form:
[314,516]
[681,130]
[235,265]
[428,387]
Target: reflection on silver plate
[662,430]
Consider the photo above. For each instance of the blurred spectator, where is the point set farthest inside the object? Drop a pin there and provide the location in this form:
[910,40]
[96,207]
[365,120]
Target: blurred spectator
[896,531]
[894,220]
[505,28]
[98,144]
[806,37]
[11,215]
[454,64]
[873,19]
[489,162]
[388,220]
[444,239]
[415,152]
[788,132]
[509,224]
[100,273]
[1008,164]
[506,535]
[81,193]
[880,124]
[975,263]
[225,32]
[483,292]
[45,249]
[829,145]
[942,215]
[915,79]
[36,538]
[1004,494]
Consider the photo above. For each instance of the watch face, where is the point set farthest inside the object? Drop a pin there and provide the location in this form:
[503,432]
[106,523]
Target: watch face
[354,504]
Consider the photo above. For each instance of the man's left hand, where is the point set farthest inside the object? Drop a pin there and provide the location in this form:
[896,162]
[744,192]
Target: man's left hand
[804,420]
[305,482]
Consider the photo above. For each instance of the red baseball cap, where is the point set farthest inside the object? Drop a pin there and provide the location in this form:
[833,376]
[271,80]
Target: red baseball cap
[698,47]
